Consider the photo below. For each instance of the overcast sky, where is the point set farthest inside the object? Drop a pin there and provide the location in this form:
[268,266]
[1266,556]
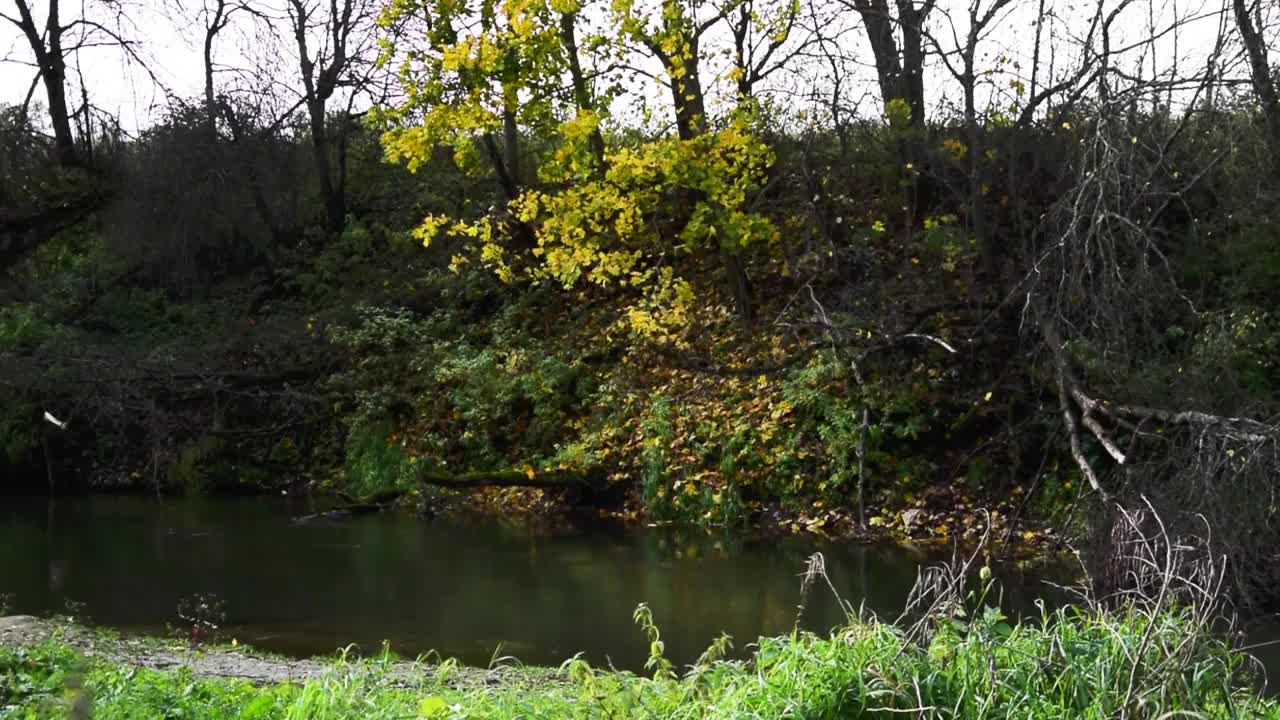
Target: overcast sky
[169,44]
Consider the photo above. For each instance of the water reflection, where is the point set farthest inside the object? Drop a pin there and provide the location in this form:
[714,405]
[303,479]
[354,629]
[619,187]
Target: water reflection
[462,589]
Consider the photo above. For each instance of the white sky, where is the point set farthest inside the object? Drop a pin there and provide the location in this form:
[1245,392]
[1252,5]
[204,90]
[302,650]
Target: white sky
[170,47]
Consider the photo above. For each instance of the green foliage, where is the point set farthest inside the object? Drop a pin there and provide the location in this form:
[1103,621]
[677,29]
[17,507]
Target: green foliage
[655,485]
[190,470]
[455,397]
[374,463]
[1244,344]
[18,434]
[23,327]
[657,661]
[34,677]
[327,269]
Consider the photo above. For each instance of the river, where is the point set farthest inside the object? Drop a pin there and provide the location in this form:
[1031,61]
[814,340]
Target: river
[465,589]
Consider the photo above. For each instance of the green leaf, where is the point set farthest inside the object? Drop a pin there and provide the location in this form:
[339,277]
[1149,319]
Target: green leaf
[433,706]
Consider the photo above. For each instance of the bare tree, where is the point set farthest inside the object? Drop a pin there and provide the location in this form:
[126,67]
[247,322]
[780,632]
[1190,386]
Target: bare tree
[766,43]
[1248,22]
[51,45]
[51,60]
[338,31]
[899,67]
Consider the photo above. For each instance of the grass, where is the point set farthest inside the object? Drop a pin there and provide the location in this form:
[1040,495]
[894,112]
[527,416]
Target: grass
[1073,663]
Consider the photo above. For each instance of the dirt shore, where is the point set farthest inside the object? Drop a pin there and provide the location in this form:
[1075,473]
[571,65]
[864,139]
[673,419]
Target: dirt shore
[242,662]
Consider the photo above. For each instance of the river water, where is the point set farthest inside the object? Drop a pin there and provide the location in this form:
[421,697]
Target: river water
[463,589]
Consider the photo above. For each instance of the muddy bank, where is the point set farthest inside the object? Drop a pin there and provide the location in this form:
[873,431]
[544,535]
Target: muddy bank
[243,662]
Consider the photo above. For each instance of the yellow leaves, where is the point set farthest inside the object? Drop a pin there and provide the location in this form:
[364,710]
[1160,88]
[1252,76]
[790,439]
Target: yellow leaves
[429,228]
[956,149]
[898,112]
[987,397]
[529,472]
[579,128]
[934,222]
[593,222]
[665,312]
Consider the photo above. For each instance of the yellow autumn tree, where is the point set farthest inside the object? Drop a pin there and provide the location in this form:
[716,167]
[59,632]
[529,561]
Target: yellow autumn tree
[640,213]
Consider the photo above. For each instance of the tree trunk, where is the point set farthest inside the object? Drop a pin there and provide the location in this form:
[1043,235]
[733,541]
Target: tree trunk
[334,203]
[581,91]
[912,20]
[48,464]
[63,139]
[739,283]
[511,141]
[1260,69]
[987,250]
[691,122]
[879,25]
[687,97]
[53,71]
[211,31]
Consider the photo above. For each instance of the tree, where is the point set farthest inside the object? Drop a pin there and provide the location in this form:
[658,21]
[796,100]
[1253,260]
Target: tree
[330,40]
[51,60]
[899,70]
[676,42]
[1264,86]
[631,215]
[51,45]
[964,69]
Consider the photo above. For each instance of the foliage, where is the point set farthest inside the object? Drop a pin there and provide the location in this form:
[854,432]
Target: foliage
[375,464]
[633,215]
[191,206]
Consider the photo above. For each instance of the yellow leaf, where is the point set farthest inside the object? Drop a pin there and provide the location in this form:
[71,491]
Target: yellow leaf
[987,397]
[529,473]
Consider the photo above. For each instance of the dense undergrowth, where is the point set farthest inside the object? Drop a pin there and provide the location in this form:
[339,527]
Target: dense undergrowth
[1073,663]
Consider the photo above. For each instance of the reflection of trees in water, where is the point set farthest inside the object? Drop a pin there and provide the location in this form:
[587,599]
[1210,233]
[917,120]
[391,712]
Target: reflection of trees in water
[460,589]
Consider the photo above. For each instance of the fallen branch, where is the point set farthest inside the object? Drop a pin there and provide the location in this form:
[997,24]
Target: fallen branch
[1080,409]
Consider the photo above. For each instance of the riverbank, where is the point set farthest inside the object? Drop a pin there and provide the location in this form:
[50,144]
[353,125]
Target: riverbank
[1075,663]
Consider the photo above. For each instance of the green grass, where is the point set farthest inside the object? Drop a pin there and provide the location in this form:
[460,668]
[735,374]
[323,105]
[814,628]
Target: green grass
[1073,663]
